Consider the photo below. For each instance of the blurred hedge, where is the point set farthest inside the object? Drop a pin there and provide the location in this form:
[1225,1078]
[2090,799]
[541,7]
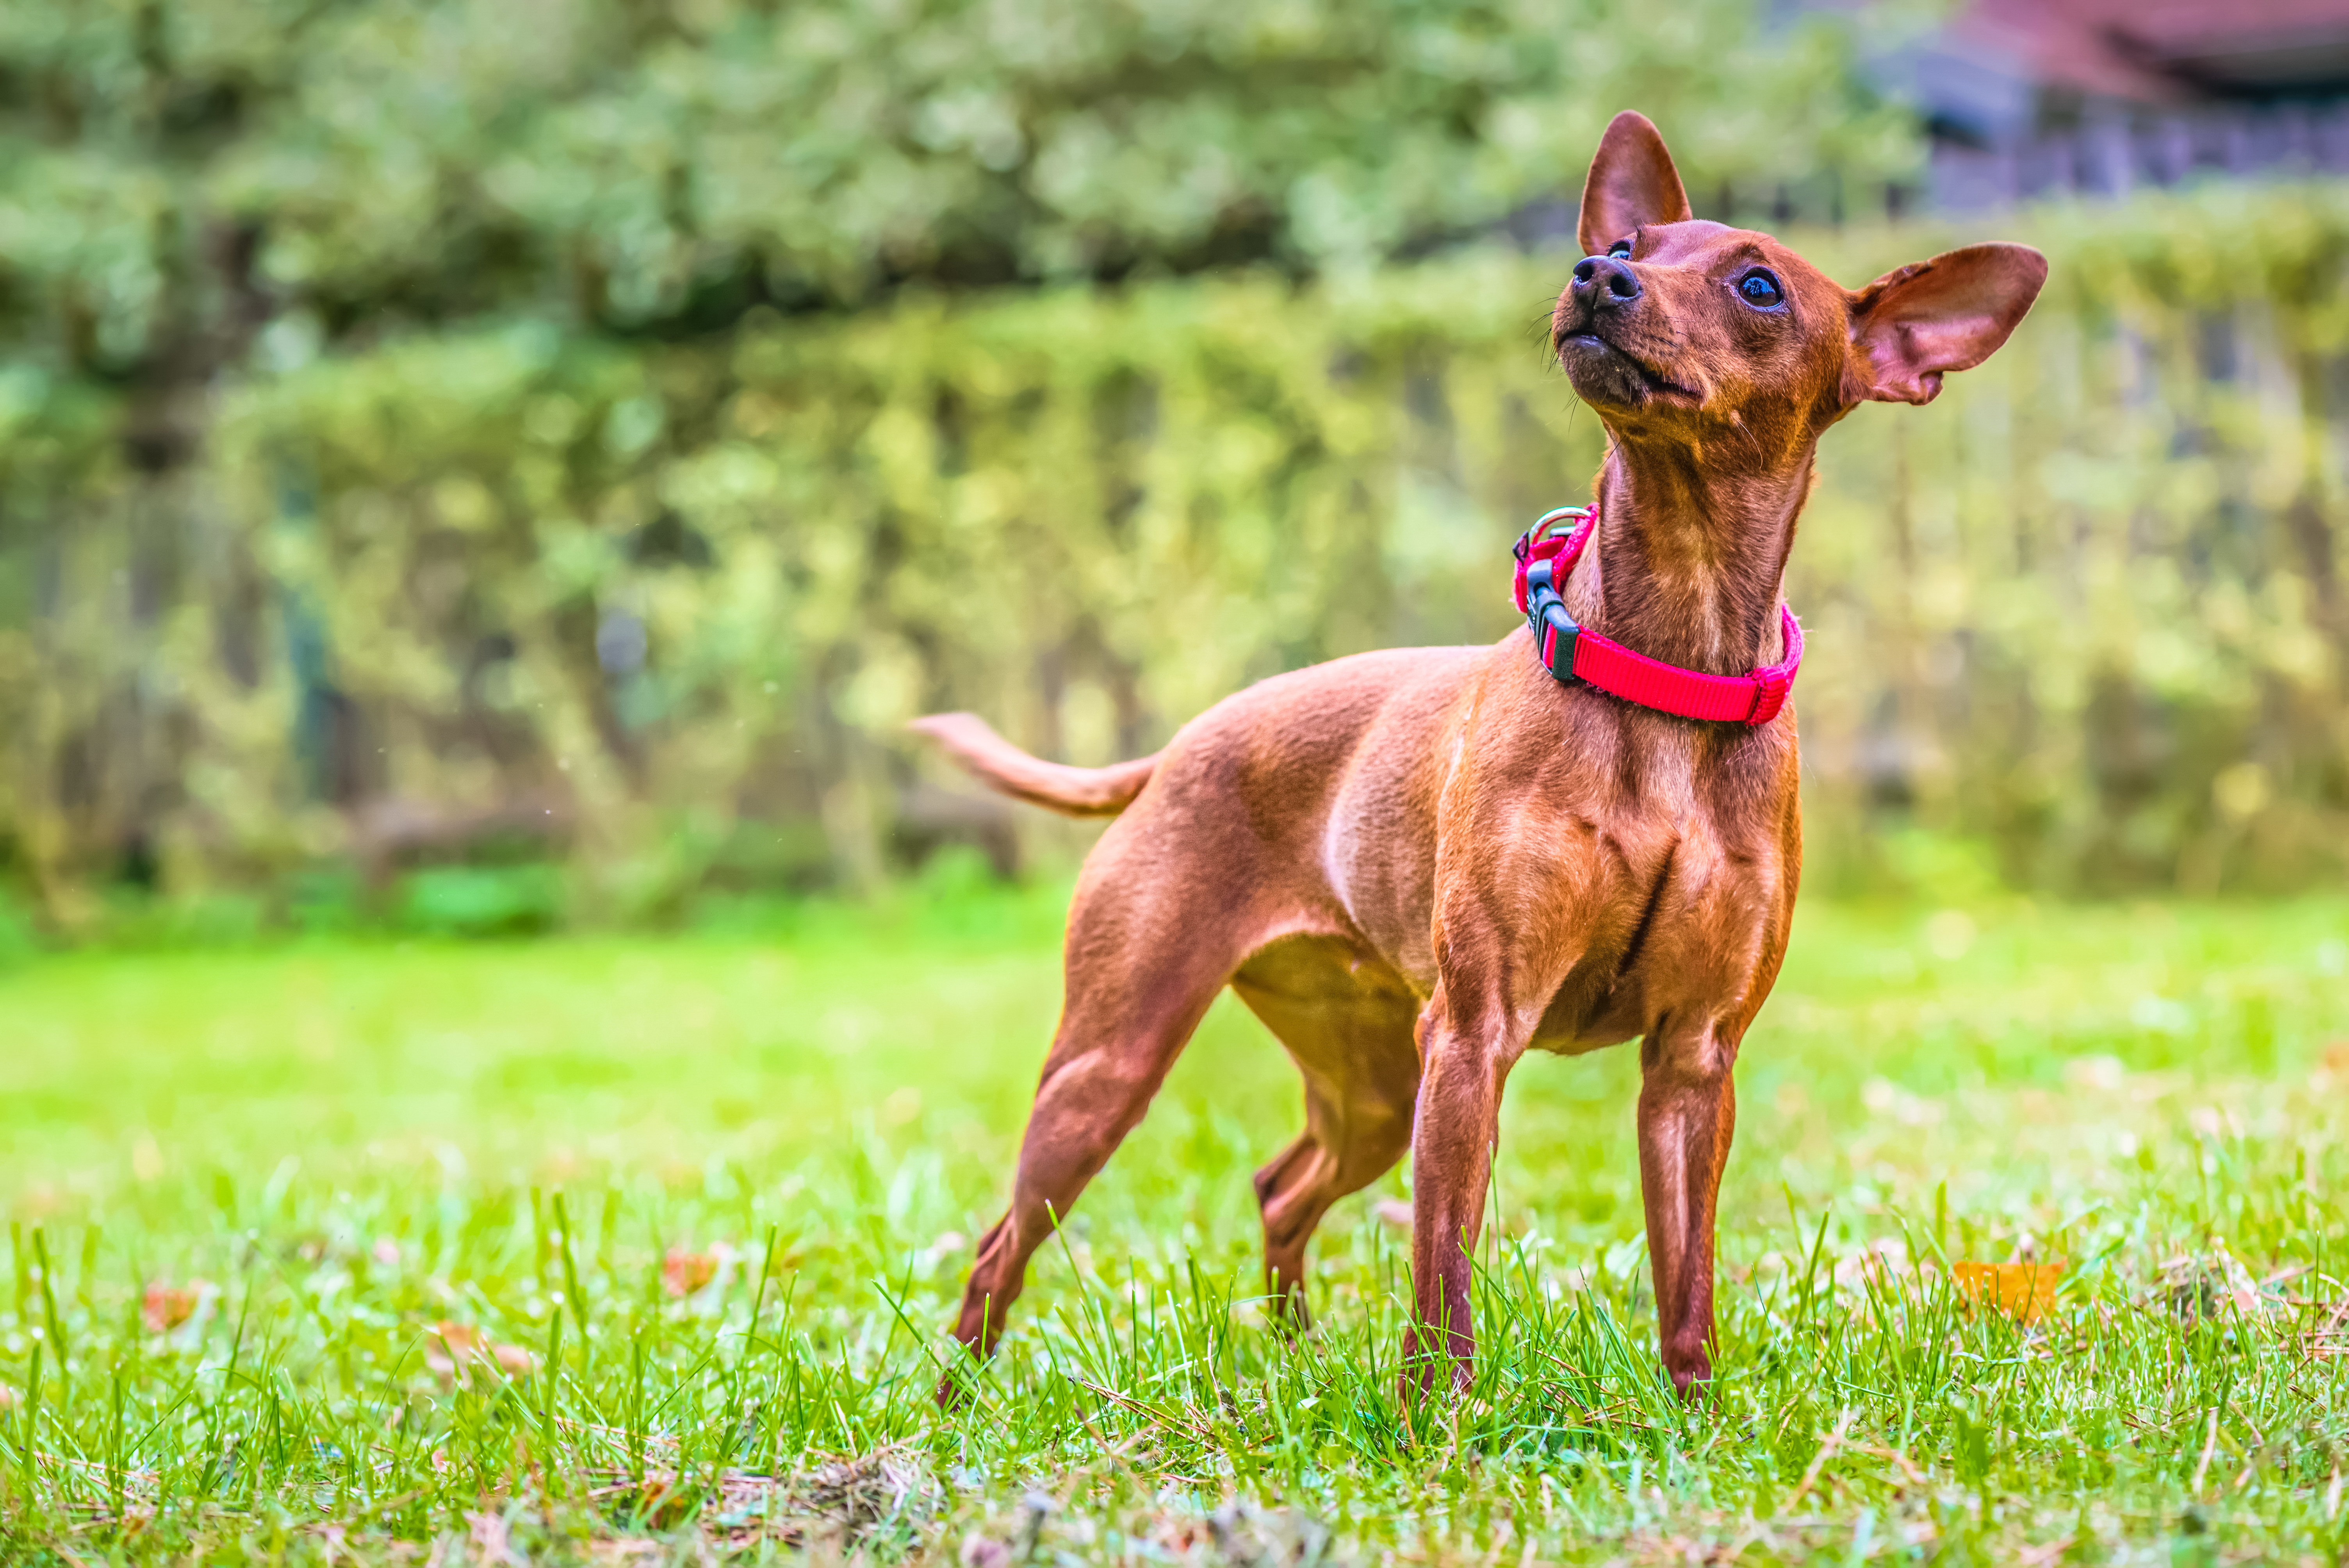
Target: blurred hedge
[179,176]
[658,608]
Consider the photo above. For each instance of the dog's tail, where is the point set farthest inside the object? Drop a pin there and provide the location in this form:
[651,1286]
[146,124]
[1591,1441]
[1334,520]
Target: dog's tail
[996,763]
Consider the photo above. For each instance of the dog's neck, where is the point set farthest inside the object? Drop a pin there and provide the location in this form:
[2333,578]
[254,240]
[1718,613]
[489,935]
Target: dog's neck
[1688,560]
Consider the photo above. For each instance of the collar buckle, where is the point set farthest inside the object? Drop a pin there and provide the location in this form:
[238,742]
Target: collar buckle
[1555,632]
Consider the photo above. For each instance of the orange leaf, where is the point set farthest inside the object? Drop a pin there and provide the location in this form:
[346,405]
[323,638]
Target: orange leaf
[166,1306]
[684,1272]
[462,1339]
[467,1345]
[2022,1291]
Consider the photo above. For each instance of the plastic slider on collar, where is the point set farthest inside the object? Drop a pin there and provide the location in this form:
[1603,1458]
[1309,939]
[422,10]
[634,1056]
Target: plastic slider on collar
[1542,554]
[1555,632]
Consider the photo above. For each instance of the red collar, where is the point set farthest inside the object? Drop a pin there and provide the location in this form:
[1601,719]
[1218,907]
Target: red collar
[1570,652]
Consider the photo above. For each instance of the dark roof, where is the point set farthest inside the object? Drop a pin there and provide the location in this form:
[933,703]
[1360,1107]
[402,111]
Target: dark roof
[2166,51]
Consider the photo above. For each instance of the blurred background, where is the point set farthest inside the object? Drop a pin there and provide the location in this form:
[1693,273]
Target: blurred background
[484,467]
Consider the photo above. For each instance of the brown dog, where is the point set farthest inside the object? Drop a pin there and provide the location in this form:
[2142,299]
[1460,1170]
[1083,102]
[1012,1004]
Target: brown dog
[1415,865]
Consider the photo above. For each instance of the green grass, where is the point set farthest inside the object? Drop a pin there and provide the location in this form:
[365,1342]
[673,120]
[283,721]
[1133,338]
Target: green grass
[352,1141]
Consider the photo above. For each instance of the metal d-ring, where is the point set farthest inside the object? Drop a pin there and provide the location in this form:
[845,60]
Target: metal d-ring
[1540,530]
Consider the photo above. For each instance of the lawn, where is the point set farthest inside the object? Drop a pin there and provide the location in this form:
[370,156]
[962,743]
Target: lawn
[692,1210]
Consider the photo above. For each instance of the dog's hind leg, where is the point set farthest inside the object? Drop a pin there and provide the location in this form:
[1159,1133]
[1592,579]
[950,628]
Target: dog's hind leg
[1146,955]
[1348,1026]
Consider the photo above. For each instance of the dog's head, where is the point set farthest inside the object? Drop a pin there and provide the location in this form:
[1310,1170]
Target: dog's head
[1674,328]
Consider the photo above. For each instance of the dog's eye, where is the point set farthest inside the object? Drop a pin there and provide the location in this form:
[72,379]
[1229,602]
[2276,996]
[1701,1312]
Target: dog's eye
[1621,249]
[1760,289]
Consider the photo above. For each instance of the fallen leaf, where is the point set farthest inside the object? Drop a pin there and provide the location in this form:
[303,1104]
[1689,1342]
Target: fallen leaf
[166,1306]
[462,1339]
[1395,1212]
[456,1344]
[463,1345]
[2022,1291]
[684,1272]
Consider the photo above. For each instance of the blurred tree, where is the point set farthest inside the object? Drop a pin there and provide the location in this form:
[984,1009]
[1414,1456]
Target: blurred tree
[660,609]
[178,175]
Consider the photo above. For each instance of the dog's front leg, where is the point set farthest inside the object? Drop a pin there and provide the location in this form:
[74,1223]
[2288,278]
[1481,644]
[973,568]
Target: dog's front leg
[1464,1062]
[1687,1108]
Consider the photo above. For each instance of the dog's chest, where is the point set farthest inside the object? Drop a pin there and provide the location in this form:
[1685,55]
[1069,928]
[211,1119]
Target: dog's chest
[1678,911]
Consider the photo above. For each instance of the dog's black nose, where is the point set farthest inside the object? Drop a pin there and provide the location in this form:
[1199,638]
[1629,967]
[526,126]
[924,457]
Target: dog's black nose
[1605,281]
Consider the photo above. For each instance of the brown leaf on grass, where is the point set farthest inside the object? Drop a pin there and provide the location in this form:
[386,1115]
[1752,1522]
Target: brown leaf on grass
[458,1341]
[463,1345]
[2025,1292]
[166,1306]
[683,1271]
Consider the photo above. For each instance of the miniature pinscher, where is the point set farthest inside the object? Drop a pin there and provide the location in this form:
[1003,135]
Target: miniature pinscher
[1416,865]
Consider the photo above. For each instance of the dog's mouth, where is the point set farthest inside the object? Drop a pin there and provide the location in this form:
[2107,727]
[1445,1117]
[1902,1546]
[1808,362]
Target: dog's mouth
[1605,373]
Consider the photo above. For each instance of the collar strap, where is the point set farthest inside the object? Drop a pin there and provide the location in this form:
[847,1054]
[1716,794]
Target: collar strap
[1571,652]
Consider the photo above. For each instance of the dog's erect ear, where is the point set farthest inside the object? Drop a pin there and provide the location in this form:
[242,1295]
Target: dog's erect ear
[1911,326]
[1632,182]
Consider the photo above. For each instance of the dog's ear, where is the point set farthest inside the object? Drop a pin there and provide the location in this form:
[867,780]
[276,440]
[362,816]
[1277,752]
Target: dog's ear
[1908,327]
[1632,182]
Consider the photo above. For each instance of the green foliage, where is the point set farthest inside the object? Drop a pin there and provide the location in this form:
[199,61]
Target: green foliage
[658,610]
[353,1143]
[18,938]
[174,174]
[482,901]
